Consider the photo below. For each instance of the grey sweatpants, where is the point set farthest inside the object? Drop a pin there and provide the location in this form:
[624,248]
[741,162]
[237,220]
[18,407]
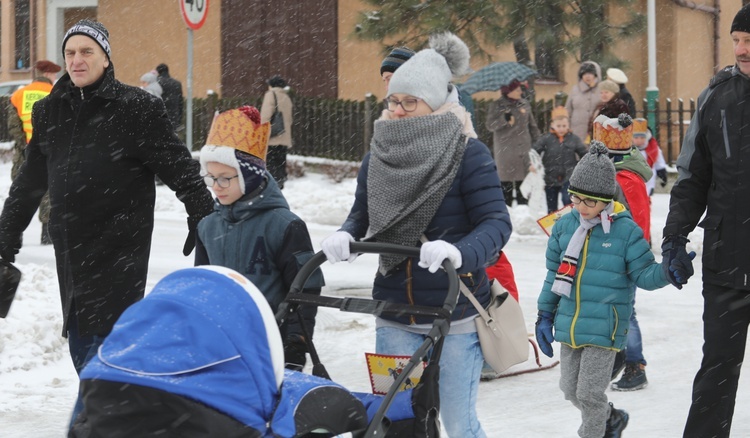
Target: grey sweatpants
[585,374]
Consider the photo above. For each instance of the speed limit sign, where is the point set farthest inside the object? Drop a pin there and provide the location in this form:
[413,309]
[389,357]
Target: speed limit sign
[194,12]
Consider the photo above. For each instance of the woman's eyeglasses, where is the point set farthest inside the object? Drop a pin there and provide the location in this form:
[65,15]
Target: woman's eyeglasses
[588,202]
[408,105]
[222,181]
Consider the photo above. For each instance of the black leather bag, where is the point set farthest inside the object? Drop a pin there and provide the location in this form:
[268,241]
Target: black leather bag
[10,276]
[277,119]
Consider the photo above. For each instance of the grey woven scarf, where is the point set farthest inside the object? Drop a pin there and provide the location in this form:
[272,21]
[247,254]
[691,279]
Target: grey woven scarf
[413,163]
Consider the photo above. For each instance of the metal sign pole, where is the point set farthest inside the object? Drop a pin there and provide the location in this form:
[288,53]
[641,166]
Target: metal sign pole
[189,122]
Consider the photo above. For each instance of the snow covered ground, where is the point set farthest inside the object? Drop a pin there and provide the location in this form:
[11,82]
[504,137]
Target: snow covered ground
[38,383]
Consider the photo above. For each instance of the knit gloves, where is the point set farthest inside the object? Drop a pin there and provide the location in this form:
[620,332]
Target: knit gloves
[336,247]
[675,260]
[432,254]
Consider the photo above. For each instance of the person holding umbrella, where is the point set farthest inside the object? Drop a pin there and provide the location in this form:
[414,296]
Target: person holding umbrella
[514,130]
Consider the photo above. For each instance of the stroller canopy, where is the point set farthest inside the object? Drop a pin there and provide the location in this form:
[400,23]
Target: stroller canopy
[205,333]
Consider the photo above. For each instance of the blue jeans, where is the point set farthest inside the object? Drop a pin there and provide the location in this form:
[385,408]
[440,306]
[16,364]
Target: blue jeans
[82,350]
[460,369]
[634,350]
[552,193]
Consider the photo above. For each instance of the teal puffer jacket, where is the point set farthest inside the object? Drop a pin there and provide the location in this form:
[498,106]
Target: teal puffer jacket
[610,266]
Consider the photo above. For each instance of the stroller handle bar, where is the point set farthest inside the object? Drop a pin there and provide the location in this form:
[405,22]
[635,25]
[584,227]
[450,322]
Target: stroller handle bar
[373,306]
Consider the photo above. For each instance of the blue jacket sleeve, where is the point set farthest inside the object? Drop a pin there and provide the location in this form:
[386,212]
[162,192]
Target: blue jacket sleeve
[645,272]
[485,207]
[358,220]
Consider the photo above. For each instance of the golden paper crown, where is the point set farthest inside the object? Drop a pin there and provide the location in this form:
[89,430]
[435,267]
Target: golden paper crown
[234,129]
[559,112]
[640,126]
[616,138]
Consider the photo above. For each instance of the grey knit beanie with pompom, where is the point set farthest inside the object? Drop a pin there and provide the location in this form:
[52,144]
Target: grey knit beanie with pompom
[594,176]
[427,75]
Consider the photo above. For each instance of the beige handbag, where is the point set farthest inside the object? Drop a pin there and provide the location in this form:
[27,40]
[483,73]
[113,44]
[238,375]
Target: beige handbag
[501,329]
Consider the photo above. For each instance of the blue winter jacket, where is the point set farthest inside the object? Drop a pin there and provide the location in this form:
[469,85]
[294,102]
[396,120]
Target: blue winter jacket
[597,313]
[473,217]
[262,239]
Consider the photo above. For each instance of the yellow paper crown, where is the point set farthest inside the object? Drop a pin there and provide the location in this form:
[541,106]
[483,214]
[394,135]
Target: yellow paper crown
[234,129]
[559,112]
[640,126]
[616,138]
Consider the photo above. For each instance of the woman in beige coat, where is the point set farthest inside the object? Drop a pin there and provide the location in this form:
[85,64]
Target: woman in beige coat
[514,130]
[278,146]
[583,98]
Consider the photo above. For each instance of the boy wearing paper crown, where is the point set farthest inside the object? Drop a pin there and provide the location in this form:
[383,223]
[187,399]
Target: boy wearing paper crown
[632,169]
[632,173]
[596,255]
[646,143]
[560,150]
[252,229]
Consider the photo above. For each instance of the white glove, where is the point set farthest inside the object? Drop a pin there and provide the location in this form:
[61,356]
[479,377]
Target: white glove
[336,247]
[432,254]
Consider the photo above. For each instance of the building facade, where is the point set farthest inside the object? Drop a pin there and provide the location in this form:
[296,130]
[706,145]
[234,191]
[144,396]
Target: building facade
[312,45]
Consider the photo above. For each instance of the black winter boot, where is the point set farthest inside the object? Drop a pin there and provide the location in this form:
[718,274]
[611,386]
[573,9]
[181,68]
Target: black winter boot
[617,422]
[633,379]
[46,240]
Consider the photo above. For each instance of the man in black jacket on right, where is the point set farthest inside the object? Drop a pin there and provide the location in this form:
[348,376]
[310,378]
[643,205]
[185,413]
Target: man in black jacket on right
[172,95]
[715,178]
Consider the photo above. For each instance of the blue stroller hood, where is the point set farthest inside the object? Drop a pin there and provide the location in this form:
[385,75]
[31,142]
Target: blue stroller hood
[205,333]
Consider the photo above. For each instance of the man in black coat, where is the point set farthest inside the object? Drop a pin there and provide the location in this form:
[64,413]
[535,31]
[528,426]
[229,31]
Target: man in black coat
[172,95]
[97,145]
[715,178]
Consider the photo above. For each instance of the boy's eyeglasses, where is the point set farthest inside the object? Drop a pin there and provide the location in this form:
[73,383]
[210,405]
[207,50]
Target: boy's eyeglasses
[408,105]
[222,181]
[588,202]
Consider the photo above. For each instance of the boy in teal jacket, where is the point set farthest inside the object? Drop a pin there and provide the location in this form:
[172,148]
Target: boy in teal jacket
[594,257]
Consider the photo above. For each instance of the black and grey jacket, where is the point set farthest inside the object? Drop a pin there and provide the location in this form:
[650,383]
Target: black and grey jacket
[714,176]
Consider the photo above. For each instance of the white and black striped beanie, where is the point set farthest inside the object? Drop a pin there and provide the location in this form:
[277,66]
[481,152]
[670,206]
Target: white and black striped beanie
[92,29]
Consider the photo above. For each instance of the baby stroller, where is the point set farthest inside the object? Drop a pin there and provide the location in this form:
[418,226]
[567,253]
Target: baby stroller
[410,413]
[201,356]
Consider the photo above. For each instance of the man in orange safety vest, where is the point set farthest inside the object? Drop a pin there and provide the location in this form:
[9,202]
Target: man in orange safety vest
[23,100]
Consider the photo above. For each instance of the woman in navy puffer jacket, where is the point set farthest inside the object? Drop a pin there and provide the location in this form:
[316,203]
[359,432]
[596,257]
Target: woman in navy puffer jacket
[427,174]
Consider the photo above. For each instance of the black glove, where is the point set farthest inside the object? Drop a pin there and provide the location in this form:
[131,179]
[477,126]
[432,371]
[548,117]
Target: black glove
[662,174]
[544,336]
[508,116]
[192,230]
[9,247]
[294,353]
[675,261]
